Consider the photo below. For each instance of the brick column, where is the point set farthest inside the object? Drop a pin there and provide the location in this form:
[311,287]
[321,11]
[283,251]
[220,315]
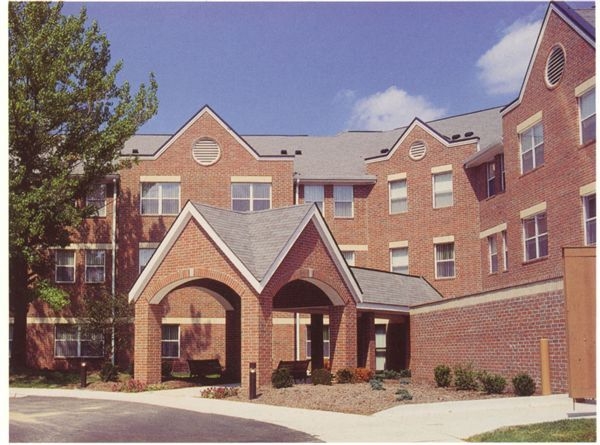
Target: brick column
[257,331]
[147,342]
[316,341]
[342,326]
[366,340]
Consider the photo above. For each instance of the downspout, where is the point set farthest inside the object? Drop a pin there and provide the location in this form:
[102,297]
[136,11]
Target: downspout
[296,314]
[114,267]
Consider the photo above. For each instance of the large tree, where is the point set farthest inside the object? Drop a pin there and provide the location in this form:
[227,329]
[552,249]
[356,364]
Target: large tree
[68,120]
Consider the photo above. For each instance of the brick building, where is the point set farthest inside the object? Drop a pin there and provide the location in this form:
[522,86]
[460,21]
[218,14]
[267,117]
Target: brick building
[436,243]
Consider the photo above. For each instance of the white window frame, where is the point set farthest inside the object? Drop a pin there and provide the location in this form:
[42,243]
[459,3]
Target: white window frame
[502,173]
[505,250]
[493,254]
[438,262]
[72,266]
[10,338]
[315,193]
[78,339]
[380,346]
[350,257]
[588,116]
[529,134]
[538,237]
[92,266]
[326,342]
[399,266]
[252,200]
[398,197]
[439,192]
[160,199]
[144,255]
[343,194]
[589,220]
[164,341]
[490,176]
[97,199]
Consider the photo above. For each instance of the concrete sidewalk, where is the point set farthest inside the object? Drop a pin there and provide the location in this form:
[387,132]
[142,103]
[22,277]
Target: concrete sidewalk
[432,422]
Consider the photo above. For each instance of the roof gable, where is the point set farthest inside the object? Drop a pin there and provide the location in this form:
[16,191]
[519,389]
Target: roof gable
[579,25]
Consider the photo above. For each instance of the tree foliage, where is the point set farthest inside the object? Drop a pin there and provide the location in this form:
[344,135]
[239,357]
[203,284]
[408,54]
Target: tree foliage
[68,120]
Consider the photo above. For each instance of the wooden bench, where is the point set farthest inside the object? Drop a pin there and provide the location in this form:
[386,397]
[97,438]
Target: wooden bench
[297,368]
[205,368]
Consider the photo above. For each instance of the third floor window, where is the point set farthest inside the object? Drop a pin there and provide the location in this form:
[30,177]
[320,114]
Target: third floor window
[250,196]
[587,112]
[160,198]
[532,148]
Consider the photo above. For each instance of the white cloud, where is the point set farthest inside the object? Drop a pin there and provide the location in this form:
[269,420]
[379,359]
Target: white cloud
[390,109]
[502,67]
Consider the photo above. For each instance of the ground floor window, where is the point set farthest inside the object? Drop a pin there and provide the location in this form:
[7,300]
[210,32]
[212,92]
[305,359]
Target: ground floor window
[10,341]
[170,341]
[326,343]
[589,208]
[380,346]
[73,341]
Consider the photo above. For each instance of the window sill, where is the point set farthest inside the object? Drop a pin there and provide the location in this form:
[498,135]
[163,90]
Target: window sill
[534,261]
[343,217]
[532,171]
[444,278]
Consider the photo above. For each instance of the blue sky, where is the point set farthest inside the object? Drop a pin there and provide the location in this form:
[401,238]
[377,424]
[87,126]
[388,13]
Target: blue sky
[320,68]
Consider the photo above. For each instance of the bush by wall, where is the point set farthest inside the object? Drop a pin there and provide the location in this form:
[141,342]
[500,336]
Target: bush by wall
[219,392]
[523,384]
[281,378]
[443,376]
[363,374]
[465,377]
[492,383]
[321,377]
[165,368]
[344,375]
[109,372]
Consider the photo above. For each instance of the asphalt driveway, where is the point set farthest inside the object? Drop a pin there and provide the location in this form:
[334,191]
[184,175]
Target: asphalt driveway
[61,419]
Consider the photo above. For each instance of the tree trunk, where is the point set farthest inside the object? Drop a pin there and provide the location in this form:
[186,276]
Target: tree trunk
[19,306]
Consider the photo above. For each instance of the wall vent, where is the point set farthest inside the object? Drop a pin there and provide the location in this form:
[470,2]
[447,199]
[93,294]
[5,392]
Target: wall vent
[206,151]
[417,150]
[555,66]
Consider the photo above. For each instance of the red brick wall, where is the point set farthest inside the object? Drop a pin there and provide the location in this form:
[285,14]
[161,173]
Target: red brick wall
[501,337]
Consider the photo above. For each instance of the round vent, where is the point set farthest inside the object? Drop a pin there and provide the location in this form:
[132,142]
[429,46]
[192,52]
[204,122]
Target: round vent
[206,151]
[417,150]
[555,66]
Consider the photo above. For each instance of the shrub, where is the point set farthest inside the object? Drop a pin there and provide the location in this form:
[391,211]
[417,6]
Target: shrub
[388,374]
[363,374]
[165,368]
[344,375]
[131,385]
[321,377]
[443,376]
[465,377]
[109,372]
[523,384]
[281,378]
[403,394]
[376,385]
[492,383]
[405,373]
[219,392]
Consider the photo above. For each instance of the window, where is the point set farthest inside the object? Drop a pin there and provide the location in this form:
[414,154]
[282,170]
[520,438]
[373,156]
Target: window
[94,266]
[532,148]
[505,250]
[442,190]
[10,339]
[160,198]
[535,234]
[587,112]
[502,174]
[343,197]
[555,66]
[206,151]
[316,194]
[97,198]
[65,266]
[444,260]
[398,197]
[326,343]
[72,341]
[380,347]
[589,215]
[399,260]
[350,257]
[144,256]
[493,254]
[490,169]
[169,344]
[250,196]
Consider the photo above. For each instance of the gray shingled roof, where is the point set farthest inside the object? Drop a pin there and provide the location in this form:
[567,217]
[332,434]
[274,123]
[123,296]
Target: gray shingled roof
[256,238]
[388,288]
[341,157]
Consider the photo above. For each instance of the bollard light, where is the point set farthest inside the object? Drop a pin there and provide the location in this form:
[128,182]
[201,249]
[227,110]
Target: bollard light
[83,375]
[252,388]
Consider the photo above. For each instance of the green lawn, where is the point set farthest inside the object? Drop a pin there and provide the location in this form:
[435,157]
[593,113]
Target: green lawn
[568,430]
